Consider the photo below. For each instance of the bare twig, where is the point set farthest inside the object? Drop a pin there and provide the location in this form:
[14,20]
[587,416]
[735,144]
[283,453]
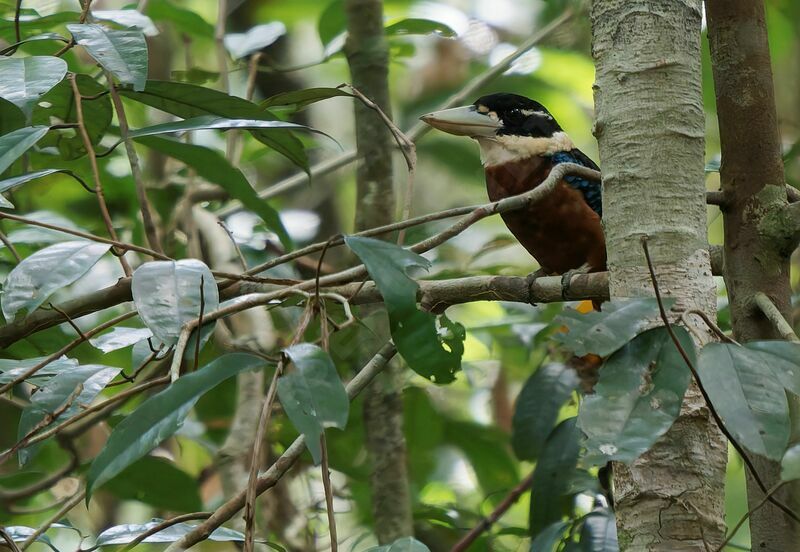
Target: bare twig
[711,408]
[711,325]
[98,185]
[5,536]
[744,518]
[10,246]
[199,324]
[236,247]
[768,308]
[326,483]
[64,510]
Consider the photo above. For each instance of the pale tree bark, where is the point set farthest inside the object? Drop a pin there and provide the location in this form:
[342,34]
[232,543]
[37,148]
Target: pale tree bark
[757,240]
[650,129]
[368,56]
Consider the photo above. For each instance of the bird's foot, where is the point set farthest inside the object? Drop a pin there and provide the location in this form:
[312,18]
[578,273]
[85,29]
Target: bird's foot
[533,276]
[567,277]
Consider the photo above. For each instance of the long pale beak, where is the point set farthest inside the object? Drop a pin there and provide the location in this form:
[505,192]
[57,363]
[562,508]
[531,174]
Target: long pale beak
[462,121]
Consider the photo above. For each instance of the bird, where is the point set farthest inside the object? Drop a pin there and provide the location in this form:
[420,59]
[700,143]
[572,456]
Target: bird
[520,143]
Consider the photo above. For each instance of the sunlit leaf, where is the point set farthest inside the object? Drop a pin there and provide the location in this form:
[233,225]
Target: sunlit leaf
[129,19]
[302,98]
[748,397]
[168,294]
[790,464]
[244,44]
[414,331]
[37,277]
[124,534]
[24,80]
[119,338]
[16,181]
[637,398]
[312,394]
[214,167]
[122,53]
[602,333]
[415,26]
[12,369]
[537,407]
[159,483]
[160,416]
[17,142]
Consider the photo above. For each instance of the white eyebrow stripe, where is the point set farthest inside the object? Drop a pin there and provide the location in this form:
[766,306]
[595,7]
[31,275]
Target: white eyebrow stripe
[529,112]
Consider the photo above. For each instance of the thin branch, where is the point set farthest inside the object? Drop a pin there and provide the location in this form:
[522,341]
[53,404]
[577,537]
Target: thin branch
[271,477]
[98,185]
[711,325]
[64,510]
[487,522]
[709,404]
[166,524]
[750,512]
[768,308]
[10,246]
[326,484]
[199,323]
[236,247]
[5,536]
[150,230]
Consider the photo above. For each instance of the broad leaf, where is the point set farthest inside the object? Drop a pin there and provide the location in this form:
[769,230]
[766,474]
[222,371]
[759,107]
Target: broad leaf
[790,464]
[119,338]
[414,26]
[783,357]
[414,332]
[159,483]
[54,395]
[14,144]
[160,416]
[20,533]
[332,22]
[168,294]
[128,19]
[189,100]
[313,395]
[37,277]
[549,537]
[748,397]
[302,98]
[599,532]
[11,117]
[604,332]
[209,122]
[124,534]
[537,407]
[122,53]
[34,38]
[405,544]
[12,369]
[183,19]
[24,80]
[555,467]
[215,168]
[244,44]
[637,397]
[16,181]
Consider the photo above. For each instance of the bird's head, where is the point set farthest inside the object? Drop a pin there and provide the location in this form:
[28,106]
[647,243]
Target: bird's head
[508,127]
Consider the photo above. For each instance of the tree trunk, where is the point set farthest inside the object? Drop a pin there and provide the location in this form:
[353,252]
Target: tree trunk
[752,178]
[650,129]
[368,56]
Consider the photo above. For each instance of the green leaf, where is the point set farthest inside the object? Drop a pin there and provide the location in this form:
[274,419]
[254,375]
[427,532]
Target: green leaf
[783,357]
[124,534]
[184,20]
[37,277]
[214,167]
[34,38]
[54,394]
[159,483]
[549,537]
[486,449]
[604,332]
[332,22]
[538,404]
[599,532]
[24,80]
[11,117]
[38,235]
[244,44]
[313,395]
[130,19]
[32,24]
[12,369]
[189,100]
[167,295]
[301,98]
[160,416]
[16,181]
[414,332]
[790,464]
[122,53]
[15,143]
[59,105]
[748,397]
[19,533]
[119,338]
[550,500]
[415,26]
[637,398]
[405,544]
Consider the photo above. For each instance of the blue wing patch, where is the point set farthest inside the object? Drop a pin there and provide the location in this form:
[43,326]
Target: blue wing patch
[590,189]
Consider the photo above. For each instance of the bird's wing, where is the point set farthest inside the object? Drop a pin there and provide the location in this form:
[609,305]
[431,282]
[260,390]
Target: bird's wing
[590,189]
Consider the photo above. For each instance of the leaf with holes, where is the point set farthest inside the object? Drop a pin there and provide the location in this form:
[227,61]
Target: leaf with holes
[637,397]
[121,53]
[604,332]
[37,277]
[748,397]
[313,395]
[160,416]
[168,294]
[24,80]
[537,407]
[244,44]
[414,331]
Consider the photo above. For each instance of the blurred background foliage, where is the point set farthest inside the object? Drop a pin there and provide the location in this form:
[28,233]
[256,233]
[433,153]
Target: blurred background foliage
[460,457]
